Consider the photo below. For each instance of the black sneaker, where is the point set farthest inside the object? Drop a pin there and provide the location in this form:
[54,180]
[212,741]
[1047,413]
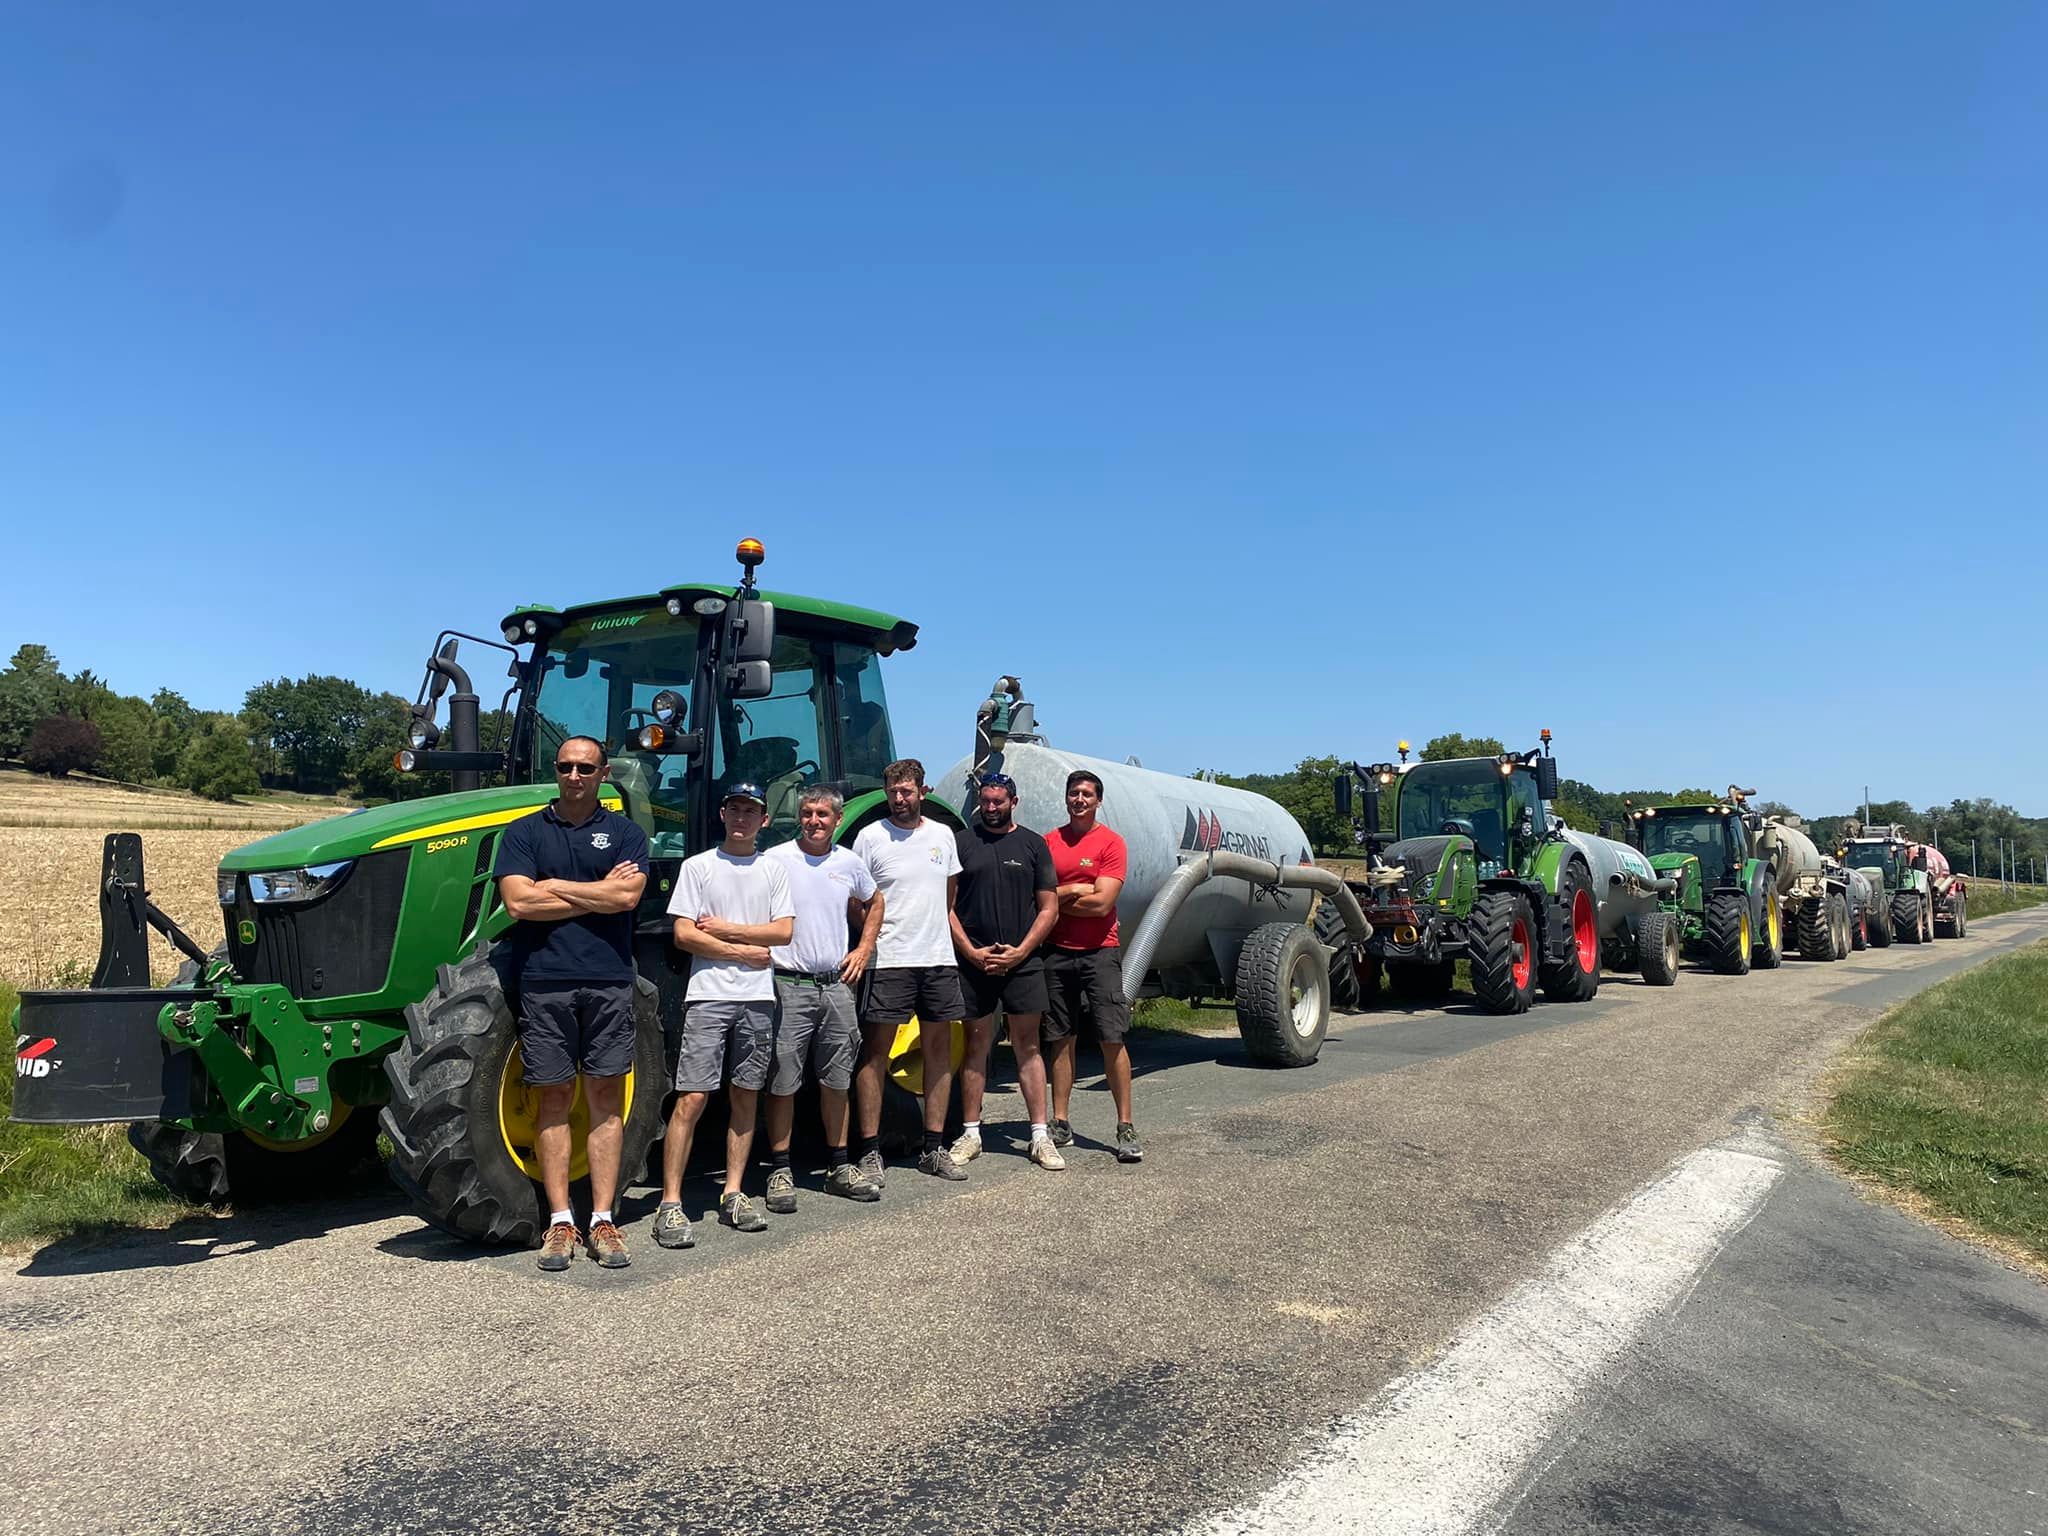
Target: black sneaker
[1062,1134]
[1127,1148]
[940,1165]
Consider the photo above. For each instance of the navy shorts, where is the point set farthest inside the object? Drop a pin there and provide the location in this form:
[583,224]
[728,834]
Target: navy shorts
[575,1027]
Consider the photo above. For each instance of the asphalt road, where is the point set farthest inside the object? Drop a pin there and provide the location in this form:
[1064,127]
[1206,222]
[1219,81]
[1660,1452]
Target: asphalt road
[1109,1349]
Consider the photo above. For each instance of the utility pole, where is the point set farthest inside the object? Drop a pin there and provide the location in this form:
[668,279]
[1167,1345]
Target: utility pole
[1973,858]
[1866,805]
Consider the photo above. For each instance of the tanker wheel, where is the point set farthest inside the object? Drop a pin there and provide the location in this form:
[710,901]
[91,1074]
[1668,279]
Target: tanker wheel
[1421,982]
[1354,977]
[1767,951]
[1859,931]
[1657,946]
[1816,931]
[1877,925]
[1283,995]
[1906,921]
[1951,926]
[1839,906]
[1577,978]
[1502,951]
[461,1119]
[1728,933]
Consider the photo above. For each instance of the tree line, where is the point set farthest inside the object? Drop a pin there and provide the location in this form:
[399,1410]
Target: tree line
[315,734]
[1308,795]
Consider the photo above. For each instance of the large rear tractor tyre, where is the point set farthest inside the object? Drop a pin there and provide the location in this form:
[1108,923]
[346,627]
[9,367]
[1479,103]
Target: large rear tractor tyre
[1728,933]
[1908,926]
[1577,978]
[460,1115]
[1877,925]
[1503,953]
[1423,984]
[1283,995]
[1816,931]
[1354,978]
[1657,946]
[1767,947]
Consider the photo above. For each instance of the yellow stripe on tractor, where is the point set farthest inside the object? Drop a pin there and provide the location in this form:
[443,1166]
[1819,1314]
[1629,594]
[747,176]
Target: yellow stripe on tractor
[472,823]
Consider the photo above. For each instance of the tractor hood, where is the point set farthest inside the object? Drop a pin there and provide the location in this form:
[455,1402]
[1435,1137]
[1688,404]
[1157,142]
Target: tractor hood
[352,835]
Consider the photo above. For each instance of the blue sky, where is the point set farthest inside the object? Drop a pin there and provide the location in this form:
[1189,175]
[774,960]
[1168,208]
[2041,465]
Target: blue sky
[1253,381]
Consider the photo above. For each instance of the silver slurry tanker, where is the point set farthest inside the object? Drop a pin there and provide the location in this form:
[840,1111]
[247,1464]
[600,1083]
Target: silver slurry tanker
[1817,900]
[1211,868]
[1636,934]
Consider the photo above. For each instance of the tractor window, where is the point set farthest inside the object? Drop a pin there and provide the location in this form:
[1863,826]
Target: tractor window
[1465,797]
[1875,856]
[865,739]
[777,742]
[1702,834]
[598,672]
[1525,812]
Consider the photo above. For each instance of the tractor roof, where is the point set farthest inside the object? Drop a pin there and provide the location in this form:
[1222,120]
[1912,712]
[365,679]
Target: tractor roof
[888,632]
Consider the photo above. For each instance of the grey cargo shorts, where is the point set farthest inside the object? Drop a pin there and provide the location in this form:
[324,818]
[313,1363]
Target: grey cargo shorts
[815,1030]
[719,1033]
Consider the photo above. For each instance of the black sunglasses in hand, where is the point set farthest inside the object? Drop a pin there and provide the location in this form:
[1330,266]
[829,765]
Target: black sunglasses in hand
[576,770]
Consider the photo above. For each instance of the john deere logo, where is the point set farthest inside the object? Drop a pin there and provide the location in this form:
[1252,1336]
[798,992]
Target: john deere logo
[1205,833]
[246,931]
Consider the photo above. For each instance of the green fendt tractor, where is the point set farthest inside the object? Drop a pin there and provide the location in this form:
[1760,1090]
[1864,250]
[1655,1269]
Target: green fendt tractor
[1726,899]
[1476,870]
[356,974]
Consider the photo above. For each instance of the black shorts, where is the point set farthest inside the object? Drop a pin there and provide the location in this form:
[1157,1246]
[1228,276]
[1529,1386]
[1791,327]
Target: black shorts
[930,992]
[575,1026]
[1085,984]
[1018,991]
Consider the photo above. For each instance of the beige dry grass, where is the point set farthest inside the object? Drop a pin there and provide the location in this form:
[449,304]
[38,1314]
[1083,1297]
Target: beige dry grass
[50,838]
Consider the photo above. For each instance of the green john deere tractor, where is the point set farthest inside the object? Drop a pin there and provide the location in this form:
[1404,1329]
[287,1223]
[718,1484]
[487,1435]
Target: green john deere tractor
[1726,899]
[1475,870]
[355,986]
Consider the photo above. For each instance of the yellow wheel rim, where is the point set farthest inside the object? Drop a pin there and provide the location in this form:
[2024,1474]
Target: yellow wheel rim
[906,1055]
[519,1120]
[1745,932]
[1773,924]
[337,1118]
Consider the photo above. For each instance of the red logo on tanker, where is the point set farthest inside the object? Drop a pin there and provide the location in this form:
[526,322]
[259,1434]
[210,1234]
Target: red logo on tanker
[33,1060]
[1204,832]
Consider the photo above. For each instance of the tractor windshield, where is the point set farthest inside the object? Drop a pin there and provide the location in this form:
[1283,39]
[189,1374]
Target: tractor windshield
[1704,834]
[1467,797]
[1878,856]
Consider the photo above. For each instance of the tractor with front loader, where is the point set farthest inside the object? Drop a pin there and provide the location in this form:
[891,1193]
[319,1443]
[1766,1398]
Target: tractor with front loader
[1723,897]
[1475,869]
[356,986]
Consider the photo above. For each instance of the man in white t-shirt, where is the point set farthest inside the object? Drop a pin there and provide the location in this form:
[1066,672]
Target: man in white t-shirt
[730,905]
[815,1028]
[916,865]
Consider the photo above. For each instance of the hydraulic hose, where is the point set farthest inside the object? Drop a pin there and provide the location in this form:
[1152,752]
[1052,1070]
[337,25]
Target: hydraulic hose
[1234,866]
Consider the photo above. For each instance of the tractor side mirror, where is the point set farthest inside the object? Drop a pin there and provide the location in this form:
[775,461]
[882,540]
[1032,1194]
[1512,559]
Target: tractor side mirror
[1369,803]
[1607,830]
[1342,788]
[753,628]
[1546,777]
[750,680]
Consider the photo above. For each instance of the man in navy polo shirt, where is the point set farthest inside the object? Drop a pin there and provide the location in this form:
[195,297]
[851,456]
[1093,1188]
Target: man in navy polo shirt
[572,873]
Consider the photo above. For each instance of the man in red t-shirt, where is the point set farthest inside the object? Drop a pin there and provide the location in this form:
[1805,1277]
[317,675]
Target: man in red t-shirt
[1084,969]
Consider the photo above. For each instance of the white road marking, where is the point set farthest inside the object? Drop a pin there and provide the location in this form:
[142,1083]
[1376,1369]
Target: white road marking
[1435,1452]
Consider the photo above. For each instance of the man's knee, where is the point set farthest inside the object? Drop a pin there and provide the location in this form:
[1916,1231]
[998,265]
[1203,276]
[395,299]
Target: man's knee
[555,1101]
[689,1108]
[606,1096]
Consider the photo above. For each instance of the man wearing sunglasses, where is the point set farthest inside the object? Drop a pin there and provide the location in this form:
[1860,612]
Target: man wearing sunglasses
[572,873]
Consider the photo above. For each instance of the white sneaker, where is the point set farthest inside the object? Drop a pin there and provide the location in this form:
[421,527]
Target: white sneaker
[967,1148]
[1046,1155]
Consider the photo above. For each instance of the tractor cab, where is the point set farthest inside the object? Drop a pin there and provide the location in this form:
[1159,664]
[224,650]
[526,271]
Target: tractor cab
[1494,802]
[1885,858]
[1714,835]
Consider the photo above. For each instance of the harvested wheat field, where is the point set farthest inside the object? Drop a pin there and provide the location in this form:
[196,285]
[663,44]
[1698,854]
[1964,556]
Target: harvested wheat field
[50,838]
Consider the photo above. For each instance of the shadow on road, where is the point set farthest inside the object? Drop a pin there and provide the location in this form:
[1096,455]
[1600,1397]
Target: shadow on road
[196,1239]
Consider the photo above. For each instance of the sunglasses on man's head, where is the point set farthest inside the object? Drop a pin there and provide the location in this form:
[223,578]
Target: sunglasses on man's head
[577,770]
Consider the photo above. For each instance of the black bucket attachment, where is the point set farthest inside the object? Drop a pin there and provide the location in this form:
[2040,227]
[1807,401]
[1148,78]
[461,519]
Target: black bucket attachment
[82,1058]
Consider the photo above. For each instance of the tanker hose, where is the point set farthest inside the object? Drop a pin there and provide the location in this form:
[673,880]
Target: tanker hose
[1233,866]
[1662,885]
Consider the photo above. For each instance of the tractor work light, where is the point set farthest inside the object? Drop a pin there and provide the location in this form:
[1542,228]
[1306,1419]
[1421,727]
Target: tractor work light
[514,634]
[675,607]
[1507,766]
[751,552]
[667,706]
[281,887]
[423,734]
[530,628]
[1649,810]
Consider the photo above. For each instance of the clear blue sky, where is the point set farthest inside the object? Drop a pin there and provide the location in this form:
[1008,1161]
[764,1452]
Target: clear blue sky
[1206,366]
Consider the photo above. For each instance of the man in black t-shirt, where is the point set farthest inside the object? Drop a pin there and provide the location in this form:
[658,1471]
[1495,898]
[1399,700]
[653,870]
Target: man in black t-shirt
[572,873]
[1005,907]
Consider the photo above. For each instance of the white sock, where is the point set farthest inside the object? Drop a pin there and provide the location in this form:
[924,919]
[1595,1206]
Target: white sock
[563,1218]
[1038,1130]
[597,1216]
[972,1128]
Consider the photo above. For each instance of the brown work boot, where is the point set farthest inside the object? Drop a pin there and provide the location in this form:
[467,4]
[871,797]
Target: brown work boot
[606,1246]
[559,1247]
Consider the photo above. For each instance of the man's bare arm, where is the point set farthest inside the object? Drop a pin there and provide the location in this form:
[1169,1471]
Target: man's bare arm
[863,953]
[1098,901]
[777,932]
[530,900]
[618,891]
[694,940]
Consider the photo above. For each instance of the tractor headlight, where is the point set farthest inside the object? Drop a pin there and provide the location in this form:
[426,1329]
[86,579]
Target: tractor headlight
[287,886]
[514,634]
[226,881]
[667,707]
[422,734]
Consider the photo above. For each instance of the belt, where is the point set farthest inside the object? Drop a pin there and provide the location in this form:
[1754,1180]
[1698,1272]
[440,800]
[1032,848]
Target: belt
[812,978]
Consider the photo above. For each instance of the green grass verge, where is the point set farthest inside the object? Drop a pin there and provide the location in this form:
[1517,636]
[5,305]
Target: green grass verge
[61,1181]
[1177,1016]
[1988,900]
[1947,1096]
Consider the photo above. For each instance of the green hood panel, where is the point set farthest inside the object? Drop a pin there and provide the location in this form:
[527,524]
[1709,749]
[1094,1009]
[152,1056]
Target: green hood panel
[352,835]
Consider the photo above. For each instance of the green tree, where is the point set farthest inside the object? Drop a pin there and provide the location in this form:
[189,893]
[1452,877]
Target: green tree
[1309,795]
[125,726]
[1442,748]
[172,722]
[216,764]
[30,691]
[315,725]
